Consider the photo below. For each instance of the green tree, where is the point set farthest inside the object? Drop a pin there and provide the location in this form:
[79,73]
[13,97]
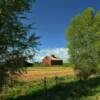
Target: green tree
[14,37]
[84,43]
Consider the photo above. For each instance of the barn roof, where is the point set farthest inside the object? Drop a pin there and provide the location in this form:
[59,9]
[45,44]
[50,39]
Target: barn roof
[54,57]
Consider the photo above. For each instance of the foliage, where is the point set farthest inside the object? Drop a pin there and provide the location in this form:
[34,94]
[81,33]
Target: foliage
[84,42]
[68,64]
[65,89]
[15,38]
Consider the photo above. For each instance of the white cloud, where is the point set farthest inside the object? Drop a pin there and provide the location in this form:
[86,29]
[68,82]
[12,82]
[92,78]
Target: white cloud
[62,52]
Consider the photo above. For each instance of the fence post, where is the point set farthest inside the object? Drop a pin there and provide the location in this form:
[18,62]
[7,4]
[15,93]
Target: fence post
[45,86]
[56,80]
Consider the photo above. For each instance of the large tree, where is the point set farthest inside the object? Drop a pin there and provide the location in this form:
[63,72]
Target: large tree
[15,37]
[83,37]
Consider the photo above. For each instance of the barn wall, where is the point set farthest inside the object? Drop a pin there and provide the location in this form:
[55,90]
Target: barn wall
[47,61]
[56,62]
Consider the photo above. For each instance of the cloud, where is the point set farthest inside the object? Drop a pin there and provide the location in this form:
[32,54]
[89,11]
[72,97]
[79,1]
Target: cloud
[62,52]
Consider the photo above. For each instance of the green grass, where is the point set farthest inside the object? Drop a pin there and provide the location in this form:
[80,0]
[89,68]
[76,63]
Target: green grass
[65,88]
[41,66]
[23,88]
[49,68]
[56,88]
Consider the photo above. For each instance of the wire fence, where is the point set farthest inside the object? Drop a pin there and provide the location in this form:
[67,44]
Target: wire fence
[24,87]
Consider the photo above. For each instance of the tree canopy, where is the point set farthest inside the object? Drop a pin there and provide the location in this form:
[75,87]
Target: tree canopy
[83,37]
[14,37]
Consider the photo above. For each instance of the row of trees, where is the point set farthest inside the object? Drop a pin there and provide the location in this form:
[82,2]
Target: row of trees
[84,43]
[14,37]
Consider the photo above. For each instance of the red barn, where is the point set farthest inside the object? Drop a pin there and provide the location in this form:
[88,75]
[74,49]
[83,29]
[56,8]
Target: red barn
[52,60]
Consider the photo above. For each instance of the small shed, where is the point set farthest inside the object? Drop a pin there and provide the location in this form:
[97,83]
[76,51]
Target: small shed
[52,60]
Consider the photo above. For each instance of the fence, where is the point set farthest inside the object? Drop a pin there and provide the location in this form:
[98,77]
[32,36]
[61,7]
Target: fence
[23,88]
[44,86]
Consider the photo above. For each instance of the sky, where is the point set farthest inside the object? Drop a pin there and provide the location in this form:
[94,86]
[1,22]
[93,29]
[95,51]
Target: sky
[52,18]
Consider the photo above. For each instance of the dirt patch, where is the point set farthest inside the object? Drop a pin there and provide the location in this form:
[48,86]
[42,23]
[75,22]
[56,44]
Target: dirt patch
[36,75]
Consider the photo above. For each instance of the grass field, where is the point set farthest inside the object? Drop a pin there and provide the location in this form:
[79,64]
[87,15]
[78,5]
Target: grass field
[37,73]
[48,68]
[52,83]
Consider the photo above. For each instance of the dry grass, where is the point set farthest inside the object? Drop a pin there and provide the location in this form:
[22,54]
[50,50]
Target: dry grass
[37,74]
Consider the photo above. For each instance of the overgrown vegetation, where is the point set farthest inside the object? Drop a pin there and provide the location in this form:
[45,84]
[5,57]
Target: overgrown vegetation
[63,88]
[84,43]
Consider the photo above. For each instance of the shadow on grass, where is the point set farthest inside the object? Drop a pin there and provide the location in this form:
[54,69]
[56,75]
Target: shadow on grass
[69,91]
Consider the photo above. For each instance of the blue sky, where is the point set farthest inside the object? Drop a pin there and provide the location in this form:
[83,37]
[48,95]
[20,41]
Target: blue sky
[53,17]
